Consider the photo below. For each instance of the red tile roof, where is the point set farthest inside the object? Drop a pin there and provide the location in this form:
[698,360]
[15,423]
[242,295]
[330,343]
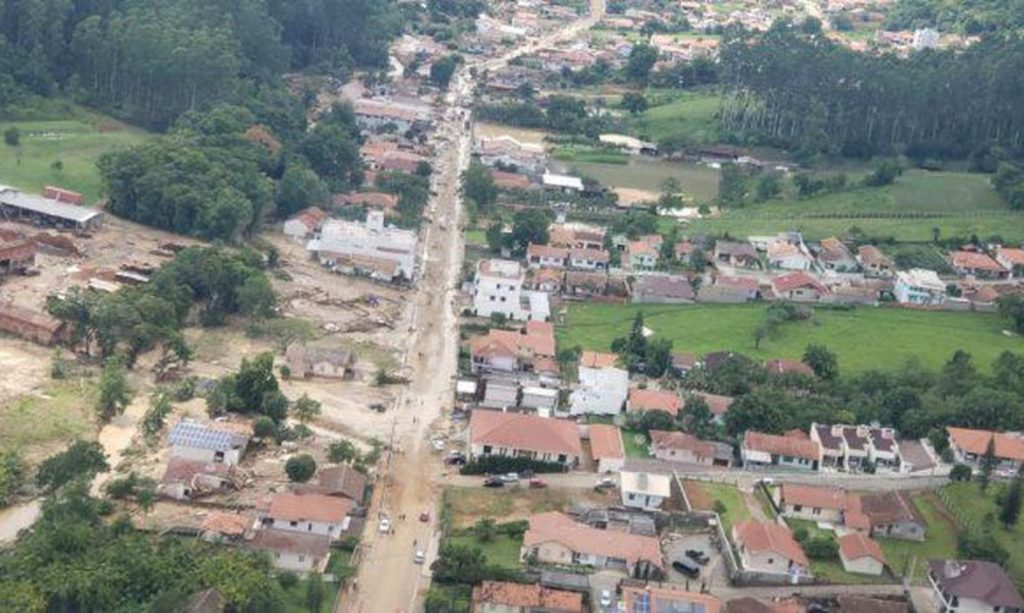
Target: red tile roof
[781,366]
[719,405]
[814,496]
[528,432]
[309,507]
[796,280]
[546,251]
[654,400]
[756,536]
[974,261]
[781,445]
[606,441]
[747,283]
[559,528]
[527,596]
[855,545]
[595,359]
[1006,446]
[682,440]
[1012,255]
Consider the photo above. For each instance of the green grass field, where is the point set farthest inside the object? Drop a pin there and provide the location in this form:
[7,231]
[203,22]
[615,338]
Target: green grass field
[476,237]
[691,115]
[864,338]
[971,506]
[735,507]
[76,143]
[958,203]
[502,550]
[940,541]
[633,447]
[590,154]
[699,182]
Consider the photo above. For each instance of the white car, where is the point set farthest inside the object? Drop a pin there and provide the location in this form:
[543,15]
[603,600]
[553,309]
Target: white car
[438,445]
[606,599]
[510,477]
[419,556]
[385,525]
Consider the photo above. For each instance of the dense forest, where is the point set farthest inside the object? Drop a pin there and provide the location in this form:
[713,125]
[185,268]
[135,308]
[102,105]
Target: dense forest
[148,62]
[793,87]
[962,16]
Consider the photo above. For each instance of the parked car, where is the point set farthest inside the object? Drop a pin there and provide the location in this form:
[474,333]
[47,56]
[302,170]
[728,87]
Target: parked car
[538,484]
[605,483]
[687,567]
[494,482]
[510,477]
[606,599]
[455,458]
[698,556]
[384,526]
[419,556]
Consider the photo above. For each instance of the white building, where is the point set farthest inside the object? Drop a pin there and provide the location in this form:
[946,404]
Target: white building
[294,551]
[919,286]
[562,182]
[308,514]
[646,491]
[603,387]
[973,586]
[380,251]
[217,443]
[925,38]
[498,288]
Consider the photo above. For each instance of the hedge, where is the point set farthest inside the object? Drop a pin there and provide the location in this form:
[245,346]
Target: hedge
[495,465]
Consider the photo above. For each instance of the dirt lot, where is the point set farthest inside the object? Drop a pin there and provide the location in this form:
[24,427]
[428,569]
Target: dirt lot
[468,504]
[367,318]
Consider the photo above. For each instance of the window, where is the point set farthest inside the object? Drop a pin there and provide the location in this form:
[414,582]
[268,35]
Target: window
[816,511]
[293,524]
[797,508]
[771,560]
[492,298]
[632,496]
[302,558]
[487,448]
[562,458]
[503,299]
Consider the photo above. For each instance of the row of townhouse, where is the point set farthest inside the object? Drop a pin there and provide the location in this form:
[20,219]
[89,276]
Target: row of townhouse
[840,447]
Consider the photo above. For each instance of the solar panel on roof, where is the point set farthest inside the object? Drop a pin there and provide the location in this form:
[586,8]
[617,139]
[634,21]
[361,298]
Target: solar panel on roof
[198,436]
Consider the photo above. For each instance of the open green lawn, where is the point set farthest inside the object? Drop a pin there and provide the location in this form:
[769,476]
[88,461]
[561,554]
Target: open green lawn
[940,541]
[502,550]
[76,143]
[832,570]
[735,506]
[691,115]
[970,506]
[864,338]
[476,237]
[634,448]
[590,154]
[958,203]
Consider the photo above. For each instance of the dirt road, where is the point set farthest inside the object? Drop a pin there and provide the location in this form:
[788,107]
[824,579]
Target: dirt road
[389,580]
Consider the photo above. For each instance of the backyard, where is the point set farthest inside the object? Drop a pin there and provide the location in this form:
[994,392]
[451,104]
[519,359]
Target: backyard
[704,496]
[971,507]
[911,557]
[501,550]
[63,153]
[832,570]
[863,338]
[466,505]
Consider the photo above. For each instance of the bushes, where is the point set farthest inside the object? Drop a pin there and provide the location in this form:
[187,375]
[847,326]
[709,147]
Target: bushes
[960,472]
[493,465]
[300,468]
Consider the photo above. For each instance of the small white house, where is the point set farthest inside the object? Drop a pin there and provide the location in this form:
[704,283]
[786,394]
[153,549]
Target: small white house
[601,391]
[308,514]
[498,288]
[643,490]
[295,552]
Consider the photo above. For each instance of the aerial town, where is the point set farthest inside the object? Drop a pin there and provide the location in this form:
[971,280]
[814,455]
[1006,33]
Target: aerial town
[623,306]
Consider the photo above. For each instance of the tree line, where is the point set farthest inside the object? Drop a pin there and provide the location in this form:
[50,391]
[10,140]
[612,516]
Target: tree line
[148,61]
[795,88]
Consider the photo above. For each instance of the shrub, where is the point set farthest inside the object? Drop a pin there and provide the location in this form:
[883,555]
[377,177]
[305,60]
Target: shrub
[288,580]
[12,136]
[821,548]
[720,507]
[801,534]
[300,468]
[981,545]
[960,472]
[264,427]
[494,465]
